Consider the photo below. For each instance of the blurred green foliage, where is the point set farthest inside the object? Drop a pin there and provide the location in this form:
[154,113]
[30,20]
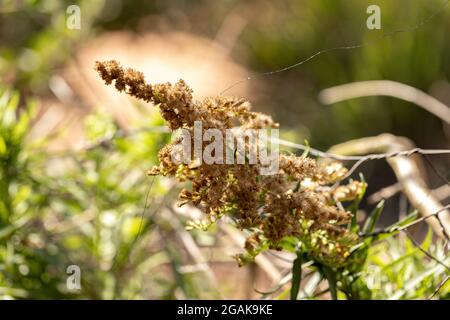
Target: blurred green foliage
[34,39]
[85,208]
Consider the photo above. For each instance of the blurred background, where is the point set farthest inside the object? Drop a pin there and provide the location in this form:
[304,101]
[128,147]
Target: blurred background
[74,152]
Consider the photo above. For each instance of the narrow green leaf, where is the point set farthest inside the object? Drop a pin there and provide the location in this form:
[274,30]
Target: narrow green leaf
[3,148]
[371,221]
[331,277]
[408,219]
[388,267]
[428,239]
[296,276]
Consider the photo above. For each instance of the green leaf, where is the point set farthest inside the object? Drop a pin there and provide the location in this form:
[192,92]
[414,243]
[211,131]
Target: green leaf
[9,229]
[371,222]
[428,240]
[397,261]
[296,276]
[408,219]
[22,126]
[331,277]
[8,116]
[411,284]
[3,148]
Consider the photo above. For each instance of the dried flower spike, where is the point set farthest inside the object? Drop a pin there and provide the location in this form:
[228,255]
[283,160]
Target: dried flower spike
[294,203]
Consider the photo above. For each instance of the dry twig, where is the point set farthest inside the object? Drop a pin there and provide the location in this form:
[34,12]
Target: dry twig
[386,88]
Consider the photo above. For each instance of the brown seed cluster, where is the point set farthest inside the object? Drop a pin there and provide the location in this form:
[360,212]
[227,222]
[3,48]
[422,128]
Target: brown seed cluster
[296,203]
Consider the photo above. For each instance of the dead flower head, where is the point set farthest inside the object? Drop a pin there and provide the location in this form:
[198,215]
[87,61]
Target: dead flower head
[296,203]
